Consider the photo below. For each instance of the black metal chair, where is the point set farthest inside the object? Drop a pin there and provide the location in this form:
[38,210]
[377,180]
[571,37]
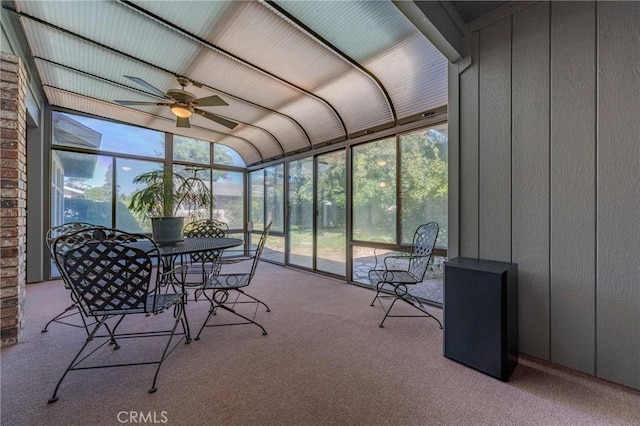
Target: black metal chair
[112,275]
[72,310]
[403,272]
[222,284]
[203,263]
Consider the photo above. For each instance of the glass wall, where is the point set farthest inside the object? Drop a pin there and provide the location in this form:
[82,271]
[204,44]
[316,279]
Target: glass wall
[301,213]
[374,191]
[391,198]
[126,171]
[256,188]
[94,163]
[81,188]
[79,131]
[397,183]
[331,201]
[228,190]
[424,181]
[191,150]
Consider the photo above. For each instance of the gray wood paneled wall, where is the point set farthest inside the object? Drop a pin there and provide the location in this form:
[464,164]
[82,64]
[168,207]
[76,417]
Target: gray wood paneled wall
[549,176]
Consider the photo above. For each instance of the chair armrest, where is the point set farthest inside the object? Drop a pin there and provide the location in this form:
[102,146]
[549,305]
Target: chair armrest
[169,278]
[397,262]
[401,262]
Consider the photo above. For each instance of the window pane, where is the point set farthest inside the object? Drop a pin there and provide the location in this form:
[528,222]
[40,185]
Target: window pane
[273,248]
[331,221]
[228,191]
[92,133]
[201,173]
[301,213]
[81,188]
[374,191]
[424,181]
[191,150]
[274,187]
[256,180]
[126,171]
[224,155]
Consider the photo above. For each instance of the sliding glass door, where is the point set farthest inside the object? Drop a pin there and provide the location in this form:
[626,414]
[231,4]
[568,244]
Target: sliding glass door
[331,231]
[301,213]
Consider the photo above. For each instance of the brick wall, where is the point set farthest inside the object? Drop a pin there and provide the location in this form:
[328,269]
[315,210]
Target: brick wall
[13,197]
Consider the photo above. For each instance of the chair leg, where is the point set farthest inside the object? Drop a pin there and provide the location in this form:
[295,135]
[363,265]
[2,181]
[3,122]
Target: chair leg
[379,286]
[218,303]
[260,302]
[66,314]
[73,362]
[417,304]
[180,318]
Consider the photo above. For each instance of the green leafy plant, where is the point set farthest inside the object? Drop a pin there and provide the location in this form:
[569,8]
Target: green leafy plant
[168,194]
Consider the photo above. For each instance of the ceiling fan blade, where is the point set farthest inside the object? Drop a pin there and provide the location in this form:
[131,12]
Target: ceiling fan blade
[214,100]
[126,103]
[227,123]
[143,83]
[182,122]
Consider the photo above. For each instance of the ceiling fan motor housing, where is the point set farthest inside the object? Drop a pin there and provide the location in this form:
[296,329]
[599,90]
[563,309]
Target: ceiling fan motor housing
[180,95]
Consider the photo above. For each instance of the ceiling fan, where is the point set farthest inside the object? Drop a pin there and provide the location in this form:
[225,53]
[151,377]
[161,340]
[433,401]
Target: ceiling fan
[182,103]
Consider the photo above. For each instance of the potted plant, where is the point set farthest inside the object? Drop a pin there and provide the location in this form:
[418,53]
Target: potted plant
[166,199]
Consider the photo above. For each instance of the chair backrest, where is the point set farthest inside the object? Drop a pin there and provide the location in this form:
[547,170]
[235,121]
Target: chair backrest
[65,228]
[259,249]
[206,228]
[108,270]
[424,240]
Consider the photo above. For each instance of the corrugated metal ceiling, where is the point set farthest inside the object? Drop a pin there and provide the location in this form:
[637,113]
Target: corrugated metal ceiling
[295,74]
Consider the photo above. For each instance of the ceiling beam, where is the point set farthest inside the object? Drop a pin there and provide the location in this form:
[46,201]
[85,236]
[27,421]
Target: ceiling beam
[436,23]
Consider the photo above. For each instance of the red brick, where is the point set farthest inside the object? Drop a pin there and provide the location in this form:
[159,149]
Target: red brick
[9,312]
[8,153]
[8,282]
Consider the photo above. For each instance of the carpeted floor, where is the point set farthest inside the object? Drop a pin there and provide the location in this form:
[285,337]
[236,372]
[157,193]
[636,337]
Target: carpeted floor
[325,361]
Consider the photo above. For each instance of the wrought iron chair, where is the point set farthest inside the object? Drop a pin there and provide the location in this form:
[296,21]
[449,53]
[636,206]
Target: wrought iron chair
[72,310]
[222,284]
[111,274]
[203,263]
[403,272]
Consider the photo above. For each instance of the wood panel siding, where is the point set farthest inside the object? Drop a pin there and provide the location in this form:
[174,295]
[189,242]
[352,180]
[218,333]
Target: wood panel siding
[495,142]
[618,193]
[530,133]
[572,185]
[549,176]
[469,153]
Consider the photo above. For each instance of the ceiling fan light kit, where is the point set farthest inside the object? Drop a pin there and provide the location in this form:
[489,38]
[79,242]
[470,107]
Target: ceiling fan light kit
[182,111]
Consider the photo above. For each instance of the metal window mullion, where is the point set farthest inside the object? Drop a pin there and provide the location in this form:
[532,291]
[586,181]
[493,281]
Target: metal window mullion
[348,191]
[398,191]
[114,197]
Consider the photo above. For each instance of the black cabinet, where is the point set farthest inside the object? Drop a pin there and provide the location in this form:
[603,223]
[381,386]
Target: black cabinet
[481,315]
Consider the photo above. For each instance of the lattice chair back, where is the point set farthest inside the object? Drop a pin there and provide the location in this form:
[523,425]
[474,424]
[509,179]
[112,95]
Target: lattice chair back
[424,240]
[73,309]
[206,228]
[109,271]
[65,229]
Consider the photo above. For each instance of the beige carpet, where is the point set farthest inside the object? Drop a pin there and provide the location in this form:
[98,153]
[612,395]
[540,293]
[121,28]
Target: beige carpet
[325,361]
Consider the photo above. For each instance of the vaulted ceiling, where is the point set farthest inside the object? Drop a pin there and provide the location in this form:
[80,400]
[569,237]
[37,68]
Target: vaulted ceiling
[294,74]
